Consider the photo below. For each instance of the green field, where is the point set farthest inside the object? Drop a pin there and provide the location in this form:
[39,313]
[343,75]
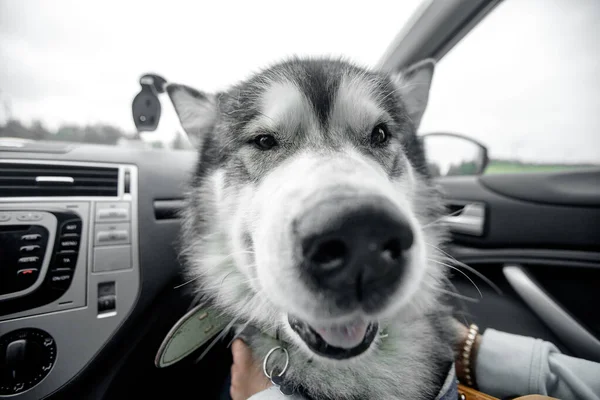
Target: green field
[513,167]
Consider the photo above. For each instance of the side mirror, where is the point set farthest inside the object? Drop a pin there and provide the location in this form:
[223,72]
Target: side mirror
[451,154]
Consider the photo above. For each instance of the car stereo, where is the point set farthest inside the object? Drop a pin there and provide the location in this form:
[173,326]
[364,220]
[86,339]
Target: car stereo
[38,257]
[69,268]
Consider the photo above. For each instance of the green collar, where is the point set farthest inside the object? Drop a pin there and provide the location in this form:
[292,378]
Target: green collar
[192,331]
[195,329]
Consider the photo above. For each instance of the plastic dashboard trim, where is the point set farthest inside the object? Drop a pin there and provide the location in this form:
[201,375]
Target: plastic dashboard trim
[158,260]
[76,350]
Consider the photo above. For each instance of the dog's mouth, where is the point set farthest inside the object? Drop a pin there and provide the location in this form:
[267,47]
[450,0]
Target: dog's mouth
[336,341]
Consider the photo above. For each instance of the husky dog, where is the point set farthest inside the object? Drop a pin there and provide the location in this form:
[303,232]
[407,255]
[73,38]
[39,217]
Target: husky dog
[311,213]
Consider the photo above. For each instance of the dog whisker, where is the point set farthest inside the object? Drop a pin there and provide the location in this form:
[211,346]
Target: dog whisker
[441,219]
[457,295]
[224,258]
[456,269]
[249,281]
[187,282]
[469,268]
[462,303]
[480,275]
[210,235]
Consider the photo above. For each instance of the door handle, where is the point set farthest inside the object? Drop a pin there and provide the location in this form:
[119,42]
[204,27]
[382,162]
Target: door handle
[470,220]
[568,330]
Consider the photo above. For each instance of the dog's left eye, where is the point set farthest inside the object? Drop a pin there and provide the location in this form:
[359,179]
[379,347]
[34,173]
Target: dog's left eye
[265,142]
[380,135]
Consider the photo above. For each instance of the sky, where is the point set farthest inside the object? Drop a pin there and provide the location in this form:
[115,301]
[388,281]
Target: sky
[525,83]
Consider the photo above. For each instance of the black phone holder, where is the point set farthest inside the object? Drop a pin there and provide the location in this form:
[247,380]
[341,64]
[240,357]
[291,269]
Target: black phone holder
[146,107]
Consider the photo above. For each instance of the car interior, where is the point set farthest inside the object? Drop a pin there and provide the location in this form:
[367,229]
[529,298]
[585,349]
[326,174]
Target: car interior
[90,276]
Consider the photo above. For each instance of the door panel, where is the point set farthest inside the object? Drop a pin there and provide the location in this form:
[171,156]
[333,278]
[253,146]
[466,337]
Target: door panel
[540,244]
[524,224]
[579,188]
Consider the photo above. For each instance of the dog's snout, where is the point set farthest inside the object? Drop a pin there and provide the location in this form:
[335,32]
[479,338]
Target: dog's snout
[329,254]
[355,249]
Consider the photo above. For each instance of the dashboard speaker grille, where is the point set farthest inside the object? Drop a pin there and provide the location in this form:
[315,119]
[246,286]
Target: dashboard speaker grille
[44,180]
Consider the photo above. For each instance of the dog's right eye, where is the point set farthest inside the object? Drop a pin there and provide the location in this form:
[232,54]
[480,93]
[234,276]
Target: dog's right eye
[265,142]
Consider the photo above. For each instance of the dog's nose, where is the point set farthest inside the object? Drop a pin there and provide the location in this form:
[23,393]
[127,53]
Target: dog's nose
[355,249]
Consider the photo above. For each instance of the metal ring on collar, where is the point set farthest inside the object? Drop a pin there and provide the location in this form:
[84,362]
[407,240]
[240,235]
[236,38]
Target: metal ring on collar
[285,367]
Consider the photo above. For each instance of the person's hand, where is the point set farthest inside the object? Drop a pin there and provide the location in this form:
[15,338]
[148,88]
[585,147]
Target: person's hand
[247,377]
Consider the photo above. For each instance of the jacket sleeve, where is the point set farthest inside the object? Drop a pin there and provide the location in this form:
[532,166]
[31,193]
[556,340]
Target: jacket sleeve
[273,393]
[513,365]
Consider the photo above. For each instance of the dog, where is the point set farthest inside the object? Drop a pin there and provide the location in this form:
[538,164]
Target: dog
[311,213]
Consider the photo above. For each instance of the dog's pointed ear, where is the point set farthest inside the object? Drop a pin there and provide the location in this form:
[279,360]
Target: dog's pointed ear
[413,84]
[197,111]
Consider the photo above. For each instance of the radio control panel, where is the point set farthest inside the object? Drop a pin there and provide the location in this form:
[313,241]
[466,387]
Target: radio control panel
[39,257]
[69,270]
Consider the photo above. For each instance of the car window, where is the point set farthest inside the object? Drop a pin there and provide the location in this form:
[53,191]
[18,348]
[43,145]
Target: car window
[70,69]
[525,83]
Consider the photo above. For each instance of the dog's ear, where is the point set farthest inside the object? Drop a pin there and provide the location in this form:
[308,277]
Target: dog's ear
[197,111]
[414,83]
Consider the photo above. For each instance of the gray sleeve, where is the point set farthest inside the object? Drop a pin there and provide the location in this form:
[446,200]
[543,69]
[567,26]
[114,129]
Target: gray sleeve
[514,365]
[273,393]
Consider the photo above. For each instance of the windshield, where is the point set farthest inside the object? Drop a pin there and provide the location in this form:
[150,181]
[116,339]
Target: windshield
[525,83]
[71,69]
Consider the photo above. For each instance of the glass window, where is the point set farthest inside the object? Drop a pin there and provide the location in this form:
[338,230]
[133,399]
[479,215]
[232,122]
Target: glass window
[525,82]
[69,70]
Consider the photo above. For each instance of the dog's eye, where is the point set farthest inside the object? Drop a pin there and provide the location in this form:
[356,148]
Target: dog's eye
[265,142]
[380,135]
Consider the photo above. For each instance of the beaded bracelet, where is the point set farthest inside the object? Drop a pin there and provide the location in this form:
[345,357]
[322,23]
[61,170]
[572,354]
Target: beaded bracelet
[466,354]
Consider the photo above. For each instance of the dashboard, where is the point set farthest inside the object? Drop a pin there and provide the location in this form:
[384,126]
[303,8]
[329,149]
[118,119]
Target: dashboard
[87,240]
[90,277]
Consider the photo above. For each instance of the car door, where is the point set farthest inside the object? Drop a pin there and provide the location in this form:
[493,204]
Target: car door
[525,244]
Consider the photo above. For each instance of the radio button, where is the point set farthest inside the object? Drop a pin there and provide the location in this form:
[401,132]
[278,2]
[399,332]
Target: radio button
[26,277]
[29,249]
[112,237]
[65,259]
[29,216]
[60,278]
[68,243]
[31,237]
[4,217]
[112,234]
[73,226]
[28,260]
[28,272]
[112,212]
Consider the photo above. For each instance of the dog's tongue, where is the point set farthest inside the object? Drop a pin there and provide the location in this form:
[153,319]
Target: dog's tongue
[345,336]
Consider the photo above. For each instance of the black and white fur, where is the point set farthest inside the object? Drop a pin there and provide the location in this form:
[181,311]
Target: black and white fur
[237,241]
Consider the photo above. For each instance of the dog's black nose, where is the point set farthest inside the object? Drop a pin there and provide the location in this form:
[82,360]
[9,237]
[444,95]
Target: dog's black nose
[354,249]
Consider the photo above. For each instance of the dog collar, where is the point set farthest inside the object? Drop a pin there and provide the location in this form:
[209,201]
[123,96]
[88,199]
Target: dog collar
[204,322]
[196,328]
[190,332]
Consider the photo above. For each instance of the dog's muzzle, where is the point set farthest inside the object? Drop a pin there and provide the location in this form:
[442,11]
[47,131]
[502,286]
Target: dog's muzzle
[354,250]
[354,253]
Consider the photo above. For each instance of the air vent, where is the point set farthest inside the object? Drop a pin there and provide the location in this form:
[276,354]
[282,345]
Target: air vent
[43,180]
